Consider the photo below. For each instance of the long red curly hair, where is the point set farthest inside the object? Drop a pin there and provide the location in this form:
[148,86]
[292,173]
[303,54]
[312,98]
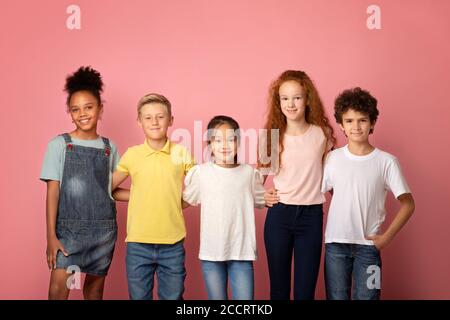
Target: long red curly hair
[314,113]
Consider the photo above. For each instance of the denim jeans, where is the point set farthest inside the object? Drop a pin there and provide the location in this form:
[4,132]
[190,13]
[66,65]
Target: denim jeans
[293,230]
[241,277]
[344,261]
[167,260]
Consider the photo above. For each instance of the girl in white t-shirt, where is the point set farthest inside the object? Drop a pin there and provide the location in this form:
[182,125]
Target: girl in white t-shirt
[228,192]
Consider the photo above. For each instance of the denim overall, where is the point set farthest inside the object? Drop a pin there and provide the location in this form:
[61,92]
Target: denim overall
[86,222]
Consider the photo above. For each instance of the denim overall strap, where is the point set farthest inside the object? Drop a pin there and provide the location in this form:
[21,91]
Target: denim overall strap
[67,138]
[84,192]
[106,142]
[107,146]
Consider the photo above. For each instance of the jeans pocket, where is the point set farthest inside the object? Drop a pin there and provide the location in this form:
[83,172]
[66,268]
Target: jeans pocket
[369,253]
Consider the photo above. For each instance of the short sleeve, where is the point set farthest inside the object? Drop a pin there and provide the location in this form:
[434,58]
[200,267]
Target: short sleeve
[191,193]
[258,189]
[395,181]
[124,163]
[115,157]
[53,160]
[327,183]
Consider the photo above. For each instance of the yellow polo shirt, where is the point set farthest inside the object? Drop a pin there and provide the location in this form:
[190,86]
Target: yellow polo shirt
[154,209]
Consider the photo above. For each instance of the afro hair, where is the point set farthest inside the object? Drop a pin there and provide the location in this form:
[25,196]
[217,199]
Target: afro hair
[85,78]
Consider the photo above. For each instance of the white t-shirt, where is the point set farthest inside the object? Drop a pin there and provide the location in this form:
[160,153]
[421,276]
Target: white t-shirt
[359,184]
[228,197]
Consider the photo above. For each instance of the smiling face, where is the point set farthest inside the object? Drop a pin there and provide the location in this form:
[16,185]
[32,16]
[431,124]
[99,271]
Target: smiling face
[154,119]
[357,126]
[85,111]
[224,144]
[292,100]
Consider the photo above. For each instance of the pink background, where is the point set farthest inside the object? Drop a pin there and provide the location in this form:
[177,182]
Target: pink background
[218,57]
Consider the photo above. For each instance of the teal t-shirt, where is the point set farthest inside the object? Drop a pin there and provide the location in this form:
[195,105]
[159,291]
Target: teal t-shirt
[53,165]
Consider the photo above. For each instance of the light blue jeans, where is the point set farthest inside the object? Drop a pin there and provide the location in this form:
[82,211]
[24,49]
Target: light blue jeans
[346,261]
[167,260]
[241,277]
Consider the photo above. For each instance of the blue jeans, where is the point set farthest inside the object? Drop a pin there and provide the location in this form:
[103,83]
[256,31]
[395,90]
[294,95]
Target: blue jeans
[363,262]
[293,231]
[167,260]
[216,275]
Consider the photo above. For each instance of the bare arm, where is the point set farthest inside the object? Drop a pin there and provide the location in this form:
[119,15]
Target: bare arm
[407,207]
[117,178]
[53,244]
[271,196]
[52,207]
[121,194]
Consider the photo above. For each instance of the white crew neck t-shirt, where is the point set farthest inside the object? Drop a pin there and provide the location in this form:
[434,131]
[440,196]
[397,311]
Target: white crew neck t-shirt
[360,185]
[228,197]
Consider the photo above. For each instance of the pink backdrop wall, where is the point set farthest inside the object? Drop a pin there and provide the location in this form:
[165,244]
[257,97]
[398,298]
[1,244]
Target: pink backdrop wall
[218,57]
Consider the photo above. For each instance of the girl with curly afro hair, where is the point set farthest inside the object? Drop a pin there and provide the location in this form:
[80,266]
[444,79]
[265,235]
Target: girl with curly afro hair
[81,214]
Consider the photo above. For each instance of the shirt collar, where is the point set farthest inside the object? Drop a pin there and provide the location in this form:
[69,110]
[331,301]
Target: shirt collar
[149,151]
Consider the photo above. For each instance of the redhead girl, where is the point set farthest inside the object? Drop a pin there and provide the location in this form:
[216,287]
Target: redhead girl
[293,226]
